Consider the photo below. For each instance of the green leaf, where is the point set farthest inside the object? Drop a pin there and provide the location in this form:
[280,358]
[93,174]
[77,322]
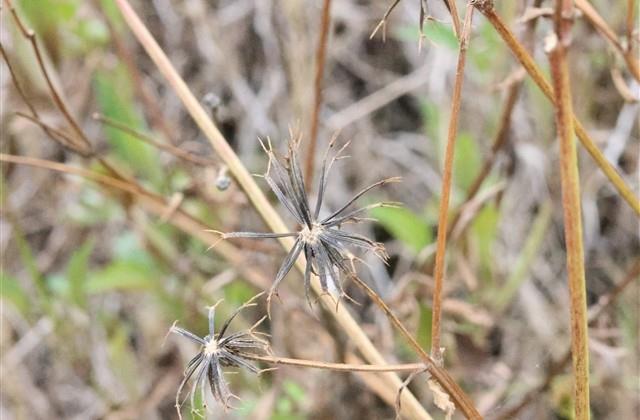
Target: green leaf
[467,161]
[116,101]
[12,291]
[435,33]
[405,226]
[294,391]
[122,275]
[423,335]
[484,229]
[77,269]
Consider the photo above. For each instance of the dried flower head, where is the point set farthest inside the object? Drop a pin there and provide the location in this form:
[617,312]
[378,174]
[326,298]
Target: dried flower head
[218,351]
[323,242]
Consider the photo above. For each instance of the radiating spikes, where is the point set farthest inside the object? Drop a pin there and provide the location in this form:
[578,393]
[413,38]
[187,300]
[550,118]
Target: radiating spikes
[259,235]
[307,273]
[187,334]
[284,200]
[284,269]
[360,194]
[352,214]
[295,174]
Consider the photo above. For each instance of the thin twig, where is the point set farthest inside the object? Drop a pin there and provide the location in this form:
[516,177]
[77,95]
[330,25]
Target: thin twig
[338,367]
[321,53]
[167,147]
[446,188]
[601,26]
[256,196]
[444,379]
[83,145]
[156,205]
[453,10]
[518,50]
[557,47]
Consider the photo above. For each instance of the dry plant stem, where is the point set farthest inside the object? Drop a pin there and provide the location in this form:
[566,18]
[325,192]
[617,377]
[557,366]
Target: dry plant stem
[337,367]
[321,54]
[631,13]
[84,146]
[499,141]
[446,188]
[258,199]
[570,182]
[601,25]
[155,205]
[167,147]
[556,368]
[518,50]
[460,399]
[453,10]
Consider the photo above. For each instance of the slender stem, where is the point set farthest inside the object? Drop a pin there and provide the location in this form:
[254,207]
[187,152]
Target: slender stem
[167,147]
[631,13]
[601,25]
[458,396]
[446,188]
[321,53]
[499,141]
[155,205]
[338,367]
[258,199]
[556,368]
[453,10]
[570,183]
[518,50]
[83,145]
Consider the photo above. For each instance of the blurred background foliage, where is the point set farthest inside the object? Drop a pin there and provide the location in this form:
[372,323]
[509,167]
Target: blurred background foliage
[91,283]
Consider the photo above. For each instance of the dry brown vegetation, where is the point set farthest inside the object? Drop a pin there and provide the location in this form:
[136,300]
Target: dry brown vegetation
[129,139]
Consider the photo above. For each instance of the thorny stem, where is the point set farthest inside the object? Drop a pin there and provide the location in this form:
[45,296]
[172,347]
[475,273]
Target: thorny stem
[338,367]
[256,196]
[557,367]
[321,53]
[596,20]
[557,47]
[446,188]
[518,50]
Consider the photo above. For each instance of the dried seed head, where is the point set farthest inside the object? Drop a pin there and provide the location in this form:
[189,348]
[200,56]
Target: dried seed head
[324,244]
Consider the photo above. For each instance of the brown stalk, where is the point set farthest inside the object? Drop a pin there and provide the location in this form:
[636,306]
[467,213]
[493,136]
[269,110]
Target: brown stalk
[631,13]
[82,143]
[258,199]
[555,368]
[446,188]
[321,54]
[453,10]
[601,26]
[518,50]
[498,143]
[557,46]
[460,399]
[336,367]
[156,205]
[167,147]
